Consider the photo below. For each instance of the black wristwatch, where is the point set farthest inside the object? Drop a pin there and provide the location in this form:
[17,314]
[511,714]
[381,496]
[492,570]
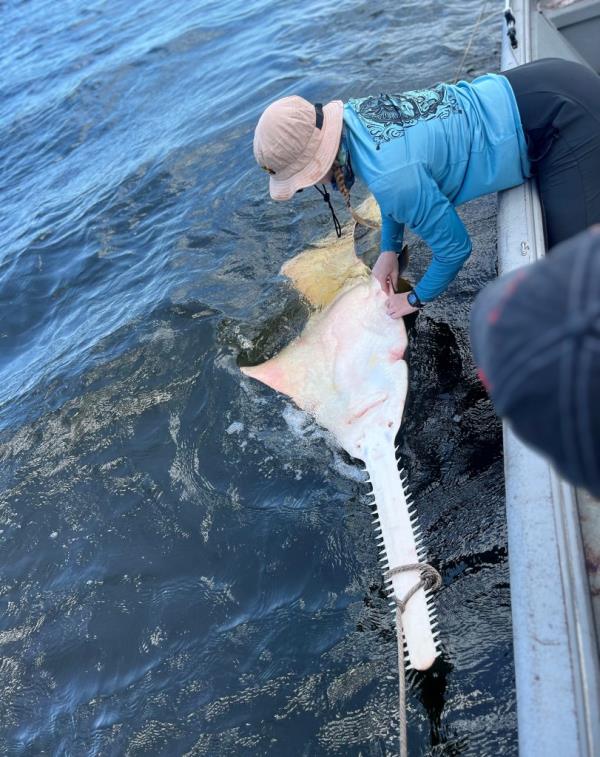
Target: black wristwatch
[413,300]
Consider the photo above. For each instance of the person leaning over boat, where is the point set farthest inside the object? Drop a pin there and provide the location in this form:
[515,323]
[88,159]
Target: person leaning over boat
[535,335]
[421,153]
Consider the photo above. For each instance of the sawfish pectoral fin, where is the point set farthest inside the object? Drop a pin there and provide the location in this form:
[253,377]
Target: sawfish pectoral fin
[271,374]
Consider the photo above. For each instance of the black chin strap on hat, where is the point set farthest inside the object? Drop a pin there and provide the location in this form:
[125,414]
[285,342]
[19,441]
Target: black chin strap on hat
[326,198]
[319,115]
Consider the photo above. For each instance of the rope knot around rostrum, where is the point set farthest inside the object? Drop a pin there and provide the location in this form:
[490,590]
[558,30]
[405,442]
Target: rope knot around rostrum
[429,579]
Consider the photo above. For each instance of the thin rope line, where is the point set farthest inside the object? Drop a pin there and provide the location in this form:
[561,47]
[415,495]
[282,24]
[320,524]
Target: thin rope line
[472,37]
[429,579]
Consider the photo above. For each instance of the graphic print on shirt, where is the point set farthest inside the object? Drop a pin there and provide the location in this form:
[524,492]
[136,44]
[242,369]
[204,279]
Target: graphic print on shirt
[388,116]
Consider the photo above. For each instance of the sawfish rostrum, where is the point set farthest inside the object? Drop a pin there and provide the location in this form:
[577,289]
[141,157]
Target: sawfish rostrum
[347,370]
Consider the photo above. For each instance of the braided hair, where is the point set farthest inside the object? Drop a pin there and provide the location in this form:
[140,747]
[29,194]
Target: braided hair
[338,175]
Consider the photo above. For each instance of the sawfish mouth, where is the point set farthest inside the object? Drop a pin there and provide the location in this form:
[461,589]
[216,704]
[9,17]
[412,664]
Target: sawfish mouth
[367,409]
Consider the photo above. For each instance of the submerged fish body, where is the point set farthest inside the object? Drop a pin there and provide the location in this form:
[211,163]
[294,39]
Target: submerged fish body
[347,370]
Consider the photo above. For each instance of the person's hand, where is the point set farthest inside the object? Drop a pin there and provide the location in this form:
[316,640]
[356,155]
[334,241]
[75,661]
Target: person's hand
[385,271]
[397,305]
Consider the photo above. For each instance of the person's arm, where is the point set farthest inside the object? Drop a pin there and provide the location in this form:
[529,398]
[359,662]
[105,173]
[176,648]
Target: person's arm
[412,194]
[386,268]
[392,234]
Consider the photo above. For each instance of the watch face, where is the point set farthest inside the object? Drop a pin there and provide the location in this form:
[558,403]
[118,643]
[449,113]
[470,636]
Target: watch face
[413,300]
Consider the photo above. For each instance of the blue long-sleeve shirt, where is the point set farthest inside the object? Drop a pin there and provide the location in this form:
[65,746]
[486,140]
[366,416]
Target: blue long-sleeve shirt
[422,153]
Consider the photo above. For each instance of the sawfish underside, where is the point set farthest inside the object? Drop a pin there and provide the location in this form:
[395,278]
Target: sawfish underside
[347,370]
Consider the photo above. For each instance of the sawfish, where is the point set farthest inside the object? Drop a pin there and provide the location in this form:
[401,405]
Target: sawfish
[347,370]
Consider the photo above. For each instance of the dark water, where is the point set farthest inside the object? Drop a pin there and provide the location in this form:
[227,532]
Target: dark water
[187,562]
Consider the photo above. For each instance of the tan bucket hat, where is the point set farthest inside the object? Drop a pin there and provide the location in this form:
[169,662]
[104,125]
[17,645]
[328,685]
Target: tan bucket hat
[296,142]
